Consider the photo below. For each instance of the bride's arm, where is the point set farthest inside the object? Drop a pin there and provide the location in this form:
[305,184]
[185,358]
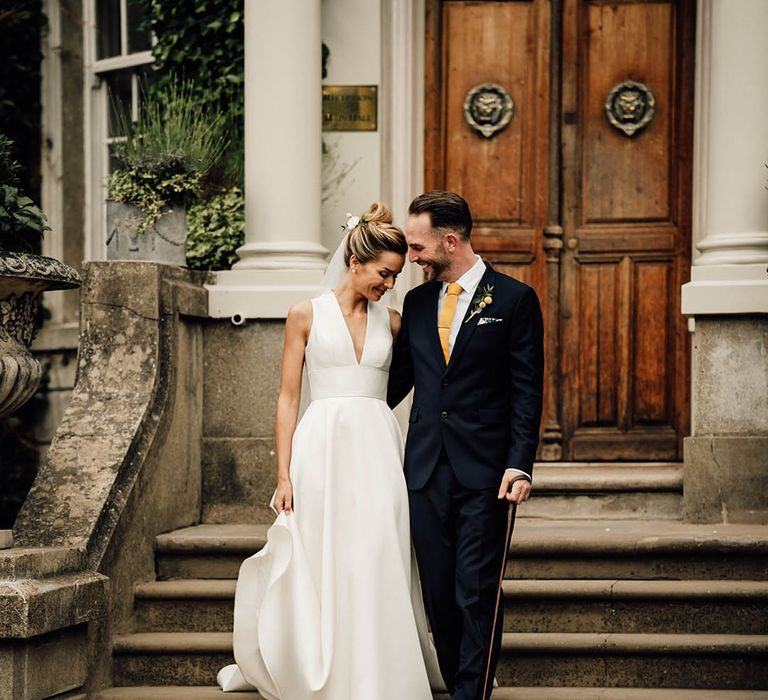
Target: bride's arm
[297,327]
[401,369]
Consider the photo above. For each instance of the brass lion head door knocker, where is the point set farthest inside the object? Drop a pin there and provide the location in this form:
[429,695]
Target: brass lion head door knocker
[630,107]
[488,108]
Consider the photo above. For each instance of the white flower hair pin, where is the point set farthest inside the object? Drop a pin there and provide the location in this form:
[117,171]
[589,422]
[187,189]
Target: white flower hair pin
[352,222]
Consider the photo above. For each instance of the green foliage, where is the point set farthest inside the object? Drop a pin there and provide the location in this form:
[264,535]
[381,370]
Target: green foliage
[167,153]
[21,222]
[215,230]
[152,193]
[22,24]
[203,41]
[9,168]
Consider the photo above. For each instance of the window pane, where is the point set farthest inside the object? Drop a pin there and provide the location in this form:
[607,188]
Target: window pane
[108,28]
[138,40]
[119,98]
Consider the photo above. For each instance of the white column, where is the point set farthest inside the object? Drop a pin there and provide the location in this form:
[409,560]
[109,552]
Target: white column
[282,259]
[730,276]
[402,115]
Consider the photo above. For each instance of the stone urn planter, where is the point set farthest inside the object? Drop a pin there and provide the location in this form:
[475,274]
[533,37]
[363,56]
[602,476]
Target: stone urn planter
[165,242]
[23,279]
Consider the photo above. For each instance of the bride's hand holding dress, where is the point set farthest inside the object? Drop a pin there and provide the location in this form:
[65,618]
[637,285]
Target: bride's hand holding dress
[297,328]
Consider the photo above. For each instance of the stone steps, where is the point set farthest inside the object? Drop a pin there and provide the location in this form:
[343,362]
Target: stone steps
[650,490]
[207,551]
[564,659]
[530,693]
[608,608]
[541,549]
[572,490]
[548,605]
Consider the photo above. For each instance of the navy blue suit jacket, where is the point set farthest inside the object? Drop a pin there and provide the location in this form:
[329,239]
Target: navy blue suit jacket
[485,406]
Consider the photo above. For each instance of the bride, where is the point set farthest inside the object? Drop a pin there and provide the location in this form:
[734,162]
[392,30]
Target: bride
[331,608]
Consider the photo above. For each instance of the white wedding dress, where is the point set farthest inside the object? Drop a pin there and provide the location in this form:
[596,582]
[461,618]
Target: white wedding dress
[331,608]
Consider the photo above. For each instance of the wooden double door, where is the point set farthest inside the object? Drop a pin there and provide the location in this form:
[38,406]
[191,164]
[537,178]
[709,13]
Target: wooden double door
[567,125]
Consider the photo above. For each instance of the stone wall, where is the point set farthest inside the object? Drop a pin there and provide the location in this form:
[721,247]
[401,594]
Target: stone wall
[726,457]
[123,466]
[242,374]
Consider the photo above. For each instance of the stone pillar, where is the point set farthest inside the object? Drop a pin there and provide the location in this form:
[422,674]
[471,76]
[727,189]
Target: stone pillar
[731,202]
[726,457]
[282,259]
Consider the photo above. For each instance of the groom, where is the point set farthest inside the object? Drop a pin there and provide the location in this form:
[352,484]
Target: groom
[471,345]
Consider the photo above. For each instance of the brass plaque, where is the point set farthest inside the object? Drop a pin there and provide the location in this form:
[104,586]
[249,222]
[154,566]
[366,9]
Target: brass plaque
[350,107]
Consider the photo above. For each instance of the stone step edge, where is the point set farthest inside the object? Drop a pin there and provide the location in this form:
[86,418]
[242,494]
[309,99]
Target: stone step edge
[570,537]
[519,693]
[579,479]
[196,540]
[526,544]
[558,589]
[519,642]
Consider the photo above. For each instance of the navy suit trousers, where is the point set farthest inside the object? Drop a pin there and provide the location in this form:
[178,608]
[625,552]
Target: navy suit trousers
[458,535]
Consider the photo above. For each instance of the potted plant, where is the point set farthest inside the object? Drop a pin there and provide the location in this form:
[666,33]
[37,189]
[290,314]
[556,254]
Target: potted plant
[163,163]
[24,276]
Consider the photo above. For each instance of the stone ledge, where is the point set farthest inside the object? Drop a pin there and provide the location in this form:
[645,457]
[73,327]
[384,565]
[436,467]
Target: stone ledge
[549,478]
[621,589]
[32,562]
[512,642]
[30,607]
[194,589]
[587,589]
[214,538]
[532,536]
[188,692]
[174,692]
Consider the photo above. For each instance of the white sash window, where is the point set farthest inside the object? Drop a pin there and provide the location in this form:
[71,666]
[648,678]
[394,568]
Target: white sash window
[118,62]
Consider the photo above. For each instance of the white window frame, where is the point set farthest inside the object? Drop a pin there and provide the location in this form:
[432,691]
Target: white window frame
[96,123]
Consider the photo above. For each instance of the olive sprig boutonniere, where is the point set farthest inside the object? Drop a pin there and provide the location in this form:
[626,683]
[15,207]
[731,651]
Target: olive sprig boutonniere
[483,298]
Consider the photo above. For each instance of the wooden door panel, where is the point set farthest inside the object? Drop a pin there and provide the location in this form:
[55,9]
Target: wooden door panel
[598,354]
[621,181]
[504,177]
[524,273]
[652,361]
[596,221]
[627,224]
[487,43]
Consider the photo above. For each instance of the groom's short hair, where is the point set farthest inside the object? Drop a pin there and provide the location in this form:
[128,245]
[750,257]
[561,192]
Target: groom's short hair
[447,210]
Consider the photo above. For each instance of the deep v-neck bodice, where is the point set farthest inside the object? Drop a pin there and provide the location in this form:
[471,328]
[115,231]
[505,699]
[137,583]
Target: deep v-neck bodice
[358,360]
[333,367]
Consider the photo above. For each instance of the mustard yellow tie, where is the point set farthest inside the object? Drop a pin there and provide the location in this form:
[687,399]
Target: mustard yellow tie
[445,319]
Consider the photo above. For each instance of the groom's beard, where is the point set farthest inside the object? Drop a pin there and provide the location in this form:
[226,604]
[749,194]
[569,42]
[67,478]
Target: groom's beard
[436,270]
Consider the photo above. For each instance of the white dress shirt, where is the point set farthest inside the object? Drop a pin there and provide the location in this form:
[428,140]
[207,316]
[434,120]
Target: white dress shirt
[469,282]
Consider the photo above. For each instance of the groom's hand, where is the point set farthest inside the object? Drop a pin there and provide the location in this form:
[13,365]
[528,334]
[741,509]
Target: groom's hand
[514,487]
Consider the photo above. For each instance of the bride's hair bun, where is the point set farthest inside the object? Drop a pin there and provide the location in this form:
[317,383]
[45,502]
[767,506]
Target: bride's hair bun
[374,234]
[378,213]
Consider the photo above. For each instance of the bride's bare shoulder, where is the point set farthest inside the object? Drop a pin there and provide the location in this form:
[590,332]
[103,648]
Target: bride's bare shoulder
[300,316]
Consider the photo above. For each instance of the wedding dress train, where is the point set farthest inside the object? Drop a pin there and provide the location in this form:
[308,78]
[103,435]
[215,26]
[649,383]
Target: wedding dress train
[331,608]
